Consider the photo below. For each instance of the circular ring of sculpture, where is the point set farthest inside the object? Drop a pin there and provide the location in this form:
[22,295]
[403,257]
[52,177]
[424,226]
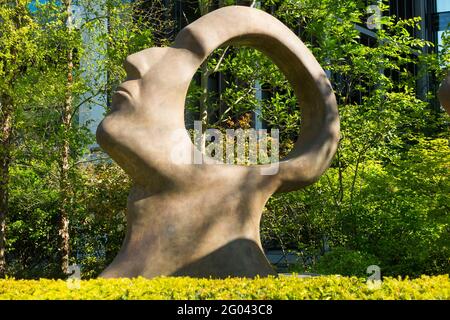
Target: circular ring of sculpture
[203,219]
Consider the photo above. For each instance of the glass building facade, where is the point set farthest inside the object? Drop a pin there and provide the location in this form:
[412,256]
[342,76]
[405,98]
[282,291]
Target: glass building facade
[435,13]
[441,18]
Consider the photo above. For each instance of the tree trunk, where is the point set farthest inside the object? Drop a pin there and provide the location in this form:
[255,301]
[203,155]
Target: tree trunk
[64,184]
[63,222]
[204,76]
[5,161]
[204,101]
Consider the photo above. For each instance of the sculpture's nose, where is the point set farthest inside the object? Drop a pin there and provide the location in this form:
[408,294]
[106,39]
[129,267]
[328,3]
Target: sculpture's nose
[139,63]
[133,67]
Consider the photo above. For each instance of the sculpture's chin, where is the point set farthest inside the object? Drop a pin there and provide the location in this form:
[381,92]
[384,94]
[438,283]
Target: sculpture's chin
[102,135]
[109,138]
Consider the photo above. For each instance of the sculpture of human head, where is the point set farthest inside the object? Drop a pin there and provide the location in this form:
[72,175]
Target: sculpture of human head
[211,205]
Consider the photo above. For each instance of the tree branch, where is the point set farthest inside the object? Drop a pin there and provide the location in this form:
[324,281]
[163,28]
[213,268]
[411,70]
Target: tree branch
[75,109]
[218,63]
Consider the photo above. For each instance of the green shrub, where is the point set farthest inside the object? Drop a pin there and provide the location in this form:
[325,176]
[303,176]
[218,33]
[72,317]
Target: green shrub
[397,211]
[325,287]
[345,262]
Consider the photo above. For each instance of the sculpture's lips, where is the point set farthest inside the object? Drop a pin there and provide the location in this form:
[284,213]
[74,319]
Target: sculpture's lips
[120,98]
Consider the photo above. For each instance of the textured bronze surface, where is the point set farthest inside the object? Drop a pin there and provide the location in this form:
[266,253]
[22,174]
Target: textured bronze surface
[203,219]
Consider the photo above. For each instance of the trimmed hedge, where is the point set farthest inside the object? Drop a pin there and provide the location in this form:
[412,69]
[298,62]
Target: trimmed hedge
[324,287]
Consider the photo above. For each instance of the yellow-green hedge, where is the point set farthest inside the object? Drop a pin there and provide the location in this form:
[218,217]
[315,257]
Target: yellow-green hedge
[326,287]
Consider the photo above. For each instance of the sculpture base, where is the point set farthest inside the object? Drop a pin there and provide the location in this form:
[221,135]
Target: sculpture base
[238,258]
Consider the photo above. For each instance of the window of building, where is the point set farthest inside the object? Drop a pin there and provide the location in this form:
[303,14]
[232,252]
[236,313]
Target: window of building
[442,5]
[442,18]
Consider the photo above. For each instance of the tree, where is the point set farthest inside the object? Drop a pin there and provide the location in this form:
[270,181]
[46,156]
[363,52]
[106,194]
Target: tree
[67,111]
[54,180]
[17,55]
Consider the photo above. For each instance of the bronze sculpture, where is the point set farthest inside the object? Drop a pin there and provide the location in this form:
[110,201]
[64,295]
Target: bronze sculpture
[203,220]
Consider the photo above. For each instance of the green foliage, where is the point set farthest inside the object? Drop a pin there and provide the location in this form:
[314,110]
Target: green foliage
[18,51]
[386,193]
[31,236]
[397,213]
[345,262]
[98,220]
[385,199]
[97,193]
[283,288]
[132,26]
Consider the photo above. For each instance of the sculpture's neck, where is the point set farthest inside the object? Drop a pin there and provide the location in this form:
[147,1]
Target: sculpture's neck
[215,231]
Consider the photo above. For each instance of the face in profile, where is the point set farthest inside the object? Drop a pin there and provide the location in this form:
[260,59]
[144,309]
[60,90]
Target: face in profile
[146,109]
